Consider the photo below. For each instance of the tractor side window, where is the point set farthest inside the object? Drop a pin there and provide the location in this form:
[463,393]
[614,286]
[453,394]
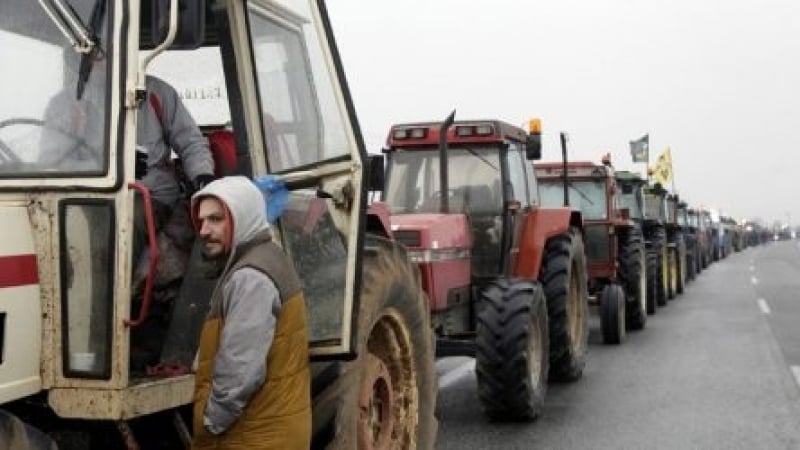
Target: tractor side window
[516,175]
[302,118]
[203,92]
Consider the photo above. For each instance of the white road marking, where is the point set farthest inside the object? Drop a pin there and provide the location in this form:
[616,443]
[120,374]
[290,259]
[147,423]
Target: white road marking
[754,280]
[764,306]
[454,375]
[796,373]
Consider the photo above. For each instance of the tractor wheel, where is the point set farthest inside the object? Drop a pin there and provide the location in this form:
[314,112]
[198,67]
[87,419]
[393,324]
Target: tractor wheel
[633,277]
[512,350]
[680,280]
[563,276]
[385,398]
[652,280]
[612,314]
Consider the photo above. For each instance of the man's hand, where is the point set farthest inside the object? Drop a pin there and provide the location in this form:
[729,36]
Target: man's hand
[201,181]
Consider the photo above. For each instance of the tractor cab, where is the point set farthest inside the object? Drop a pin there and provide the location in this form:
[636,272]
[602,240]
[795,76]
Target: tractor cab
[592,189]
[655,204]
[631,194]
[470,218]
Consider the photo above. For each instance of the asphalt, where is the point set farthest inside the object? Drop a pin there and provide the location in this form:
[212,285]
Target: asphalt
[712,370]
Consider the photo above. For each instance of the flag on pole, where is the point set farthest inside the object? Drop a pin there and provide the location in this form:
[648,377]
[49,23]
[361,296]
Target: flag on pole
[663,170]
[640,149]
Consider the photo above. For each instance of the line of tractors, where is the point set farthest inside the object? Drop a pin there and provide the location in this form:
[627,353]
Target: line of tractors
[475,246]
[515,254]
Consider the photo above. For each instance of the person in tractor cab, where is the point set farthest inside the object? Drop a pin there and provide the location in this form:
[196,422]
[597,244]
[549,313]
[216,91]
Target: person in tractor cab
[166,128]
[252,388]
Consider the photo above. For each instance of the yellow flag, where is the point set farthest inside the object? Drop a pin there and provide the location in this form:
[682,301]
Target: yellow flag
[663,170]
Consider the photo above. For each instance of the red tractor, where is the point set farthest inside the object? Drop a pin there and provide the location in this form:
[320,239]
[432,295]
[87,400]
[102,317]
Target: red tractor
[614,245]
[505,278]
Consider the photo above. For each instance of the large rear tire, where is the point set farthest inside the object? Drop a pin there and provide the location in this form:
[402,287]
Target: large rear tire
[633,277]
[385,398]
[612,314]
[563,277]
[512,350]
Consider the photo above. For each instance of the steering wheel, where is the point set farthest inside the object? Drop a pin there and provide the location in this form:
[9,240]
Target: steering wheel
[7,154]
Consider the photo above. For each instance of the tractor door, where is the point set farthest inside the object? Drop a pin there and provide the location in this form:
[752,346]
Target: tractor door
[310,141]
[516,202]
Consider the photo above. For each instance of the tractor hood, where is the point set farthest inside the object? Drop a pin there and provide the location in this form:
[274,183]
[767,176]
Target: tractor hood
[432,231]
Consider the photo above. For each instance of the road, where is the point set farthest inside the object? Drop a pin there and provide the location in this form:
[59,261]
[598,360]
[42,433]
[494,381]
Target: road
[717,368]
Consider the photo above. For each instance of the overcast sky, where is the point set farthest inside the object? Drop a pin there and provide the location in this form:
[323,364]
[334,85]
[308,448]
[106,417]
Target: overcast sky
[716,81]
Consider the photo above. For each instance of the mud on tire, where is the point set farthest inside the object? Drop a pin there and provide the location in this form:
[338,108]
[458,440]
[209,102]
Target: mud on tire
[512,350]
[386,397]
[563,276]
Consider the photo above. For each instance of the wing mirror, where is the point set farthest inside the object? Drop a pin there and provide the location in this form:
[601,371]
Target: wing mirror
[377,176]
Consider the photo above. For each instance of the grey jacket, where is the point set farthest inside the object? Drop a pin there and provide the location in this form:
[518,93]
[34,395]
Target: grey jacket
[250,308]
[182,136]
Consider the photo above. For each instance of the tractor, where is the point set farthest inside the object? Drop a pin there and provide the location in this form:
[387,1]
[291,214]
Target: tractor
[693,215]
[705,238]
[689,230]
[615,251]
[70,315]
[655,232]
[631,196]
[505,277]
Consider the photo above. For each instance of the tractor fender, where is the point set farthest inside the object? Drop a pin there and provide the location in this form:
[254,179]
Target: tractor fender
[540,225]
[378,220]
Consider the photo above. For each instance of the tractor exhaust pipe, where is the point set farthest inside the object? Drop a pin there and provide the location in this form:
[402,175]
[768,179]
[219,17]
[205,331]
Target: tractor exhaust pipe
[564,139]
[443,169]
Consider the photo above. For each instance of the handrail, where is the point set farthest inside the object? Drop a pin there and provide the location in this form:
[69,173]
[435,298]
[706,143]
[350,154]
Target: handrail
[147,297]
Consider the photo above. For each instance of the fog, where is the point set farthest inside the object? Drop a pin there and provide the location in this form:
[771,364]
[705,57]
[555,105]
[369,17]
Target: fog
[716,81]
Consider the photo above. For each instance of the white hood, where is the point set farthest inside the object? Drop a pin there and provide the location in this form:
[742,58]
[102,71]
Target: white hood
[244,201]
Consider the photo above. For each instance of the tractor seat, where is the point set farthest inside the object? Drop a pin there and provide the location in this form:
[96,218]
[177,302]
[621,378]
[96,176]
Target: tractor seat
[222,144]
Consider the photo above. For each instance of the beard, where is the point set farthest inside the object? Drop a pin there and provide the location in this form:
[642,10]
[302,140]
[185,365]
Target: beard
[213,264]
[207,256]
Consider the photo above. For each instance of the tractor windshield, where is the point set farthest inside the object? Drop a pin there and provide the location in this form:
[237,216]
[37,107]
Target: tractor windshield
[632,201]
[414,183]
[654,207]
[683,218]
[303,116]
[54,110]
[586,195]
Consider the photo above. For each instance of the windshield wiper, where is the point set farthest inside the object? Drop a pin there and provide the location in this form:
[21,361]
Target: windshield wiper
[96,52]
[65,19]
[479,156]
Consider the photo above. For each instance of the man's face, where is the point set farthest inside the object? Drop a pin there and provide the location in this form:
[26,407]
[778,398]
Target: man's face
[214,228]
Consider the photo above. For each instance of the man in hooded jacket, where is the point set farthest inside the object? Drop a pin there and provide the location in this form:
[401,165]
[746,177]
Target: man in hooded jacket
[253,382]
